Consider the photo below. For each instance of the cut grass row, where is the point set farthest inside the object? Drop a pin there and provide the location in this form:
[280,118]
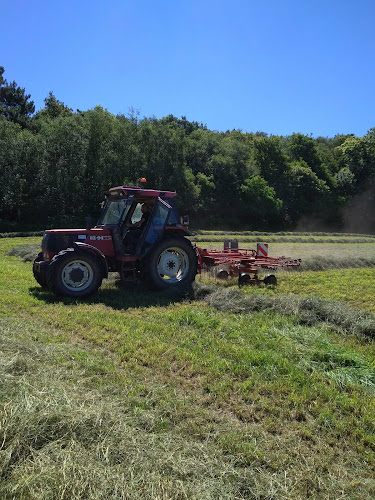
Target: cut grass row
[230,234]
[353,287]
[278,239]
[349,252]
[178,399]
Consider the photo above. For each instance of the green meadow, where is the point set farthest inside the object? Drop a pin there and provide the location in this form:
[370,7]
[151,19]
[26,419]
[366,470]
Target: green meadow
[227,393]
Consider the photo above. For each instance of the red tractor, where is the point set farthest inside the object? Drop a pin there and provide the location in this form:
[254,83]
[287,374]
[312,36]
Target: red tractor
[73,262]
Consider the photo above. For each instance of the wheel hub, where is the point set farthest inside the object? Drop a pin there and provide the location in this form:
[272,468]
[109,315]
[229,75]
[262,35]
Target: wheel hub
[169,264]
[173,265]
[77,274]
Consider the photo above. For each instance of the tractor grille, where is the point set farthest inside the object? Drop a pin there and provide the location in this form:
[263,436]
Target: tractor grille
[55,242]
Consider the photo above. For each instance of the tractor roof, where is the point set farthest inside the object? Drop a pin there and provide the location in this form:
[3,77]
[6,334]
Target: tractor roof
[137,191]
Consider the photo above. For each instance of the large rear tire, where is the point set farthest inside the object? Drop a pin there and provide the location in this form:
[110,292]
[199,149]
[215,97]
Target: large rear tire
[74,274]
[171,265]
[40,277]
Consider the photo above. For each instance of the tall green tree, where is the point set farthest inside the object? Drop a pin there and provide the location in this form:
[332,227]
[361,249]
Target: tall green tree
[261,208]
[15,105]
[200,146]
[64,162]
[164,161]
[271,162]
[307,194]
[302,147]
[21,191]
[356,154]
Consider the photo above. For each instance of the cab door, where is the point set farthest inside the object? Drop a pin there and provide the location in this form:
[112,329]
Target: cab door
[155,227]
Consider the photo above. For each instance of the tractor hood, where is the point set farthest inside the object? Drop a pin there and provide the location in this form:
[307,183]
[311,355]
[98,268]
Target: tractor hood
[55,240]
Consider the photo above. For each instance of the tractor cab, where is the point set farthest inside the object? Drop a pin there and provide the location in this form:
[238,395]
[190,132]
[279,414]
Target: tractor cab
[123,208]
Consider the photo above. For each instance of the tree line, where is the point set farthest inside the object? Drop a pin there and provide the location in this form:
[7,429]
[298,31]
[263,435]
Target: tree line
[56,163]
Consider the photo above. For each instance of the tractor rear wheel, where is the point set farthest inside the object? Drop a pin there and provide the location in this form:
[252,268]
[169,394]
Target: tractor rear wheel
[38,275]
[171,265]
[74,274]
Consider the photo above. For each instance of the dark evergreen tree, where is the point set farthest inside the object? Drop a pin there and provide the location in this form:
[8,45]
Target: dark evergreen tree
[53,108]
[15,105]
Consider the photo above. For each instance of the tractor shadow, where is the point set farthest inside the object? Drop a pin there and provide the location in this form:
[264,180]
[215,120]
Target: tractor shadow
[121,298]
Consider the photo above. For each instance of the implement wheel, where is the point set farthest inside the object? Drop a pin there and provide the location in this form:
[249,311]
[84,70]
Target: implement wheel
[74,274]
[222,274]
[270,280]
[171,265]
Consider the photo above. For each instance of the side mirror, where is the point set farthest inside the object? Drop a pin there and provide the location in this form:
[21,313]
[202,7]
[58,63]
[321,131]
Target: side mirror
[184,220]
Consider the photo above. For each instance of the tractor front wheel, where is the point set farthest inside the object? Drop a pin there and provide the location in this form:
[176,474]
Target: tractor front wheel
[38,274]
[171,265]
[74,274]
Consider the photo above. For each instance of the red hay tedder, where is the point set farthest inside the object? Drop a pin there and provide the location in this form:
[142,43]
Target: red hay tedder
[140,235]
[244,263]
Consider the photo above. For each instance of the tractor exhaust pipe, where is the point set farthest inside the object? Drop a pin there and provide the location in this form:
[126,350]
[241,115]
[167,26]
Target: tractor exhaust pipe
[88,222]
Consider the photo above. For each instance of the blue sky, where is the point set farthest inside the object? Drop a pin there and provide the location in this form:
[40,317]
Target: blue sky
[280,66]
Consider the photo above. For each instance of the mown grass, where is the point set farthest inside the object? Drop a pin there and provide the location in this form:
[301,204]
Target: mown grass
[353,287]
[76,426]
[226,394]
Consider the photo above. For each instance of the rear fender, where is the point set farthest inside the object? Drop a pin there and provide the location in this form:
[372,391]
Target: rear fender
[84,247]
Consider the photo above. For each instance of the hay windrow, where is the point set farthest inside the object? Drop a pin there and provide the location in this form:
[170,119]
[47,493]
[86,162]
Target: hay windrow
[309,310]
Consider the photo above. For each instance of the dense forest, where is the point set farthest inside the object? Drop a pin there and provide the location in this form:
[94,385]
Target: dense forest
[56,163]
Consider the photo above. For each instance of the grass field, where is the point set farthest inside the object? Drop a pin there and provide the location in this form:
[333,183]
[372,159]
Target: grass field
[249,393]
